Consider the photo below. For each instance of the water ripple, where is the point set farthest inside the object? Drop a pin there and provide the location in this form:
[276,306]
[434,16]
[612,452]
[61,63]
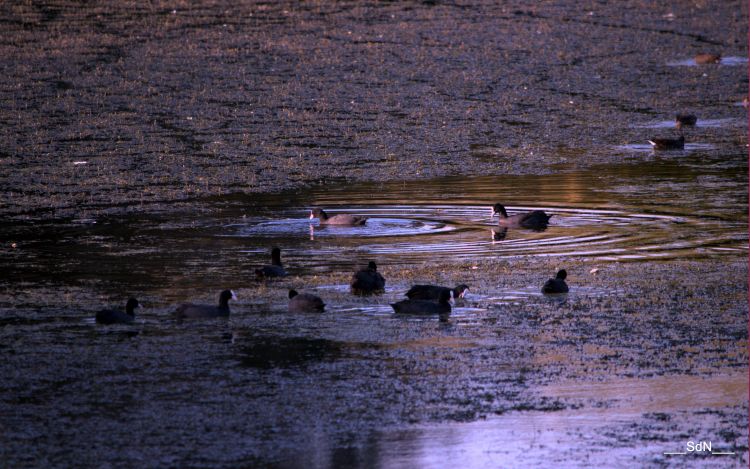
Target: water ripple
[414,233]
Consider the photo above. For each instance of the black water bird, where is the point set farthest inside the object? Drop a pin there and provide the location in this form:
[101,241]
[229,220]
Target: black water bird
[368,281]
[432,292]
[194,311]
[305,303]
[113,316]
[668,143]
[557,284]
[274,270]
[442,307]
[535,220]
[682,120]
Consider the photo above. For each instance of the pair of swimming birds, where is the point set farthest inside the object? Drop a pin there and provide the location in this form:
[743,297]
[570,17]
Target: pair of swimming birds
[183,311]
[423,299]
[364,282]
[535,220]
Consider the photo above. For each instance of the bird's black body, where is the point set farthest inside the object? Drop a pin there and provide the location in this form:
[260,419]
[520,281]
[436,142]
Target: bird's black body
[113,316]
[194,311]
[274,270]
[536,220]
[557,284]
[668,143]
[368,281]
[305,303]
[425,307]
[432,292]
[682,120]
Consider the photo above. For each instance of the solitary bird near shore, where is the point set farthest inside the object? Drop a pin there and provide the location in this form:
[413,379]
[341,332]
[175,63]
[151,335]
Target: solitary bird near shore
[273,270]
[685,120]
[194,311]
[668,143]
[305,303]
[432,292]
[557,284]
[441,307]
[340,219]
[703,59]
[536,220]
[368,281]
[113,316]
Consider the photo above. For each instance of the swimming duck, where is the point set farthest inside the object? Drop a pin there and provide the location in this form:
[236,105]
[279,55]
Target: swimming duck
[368,281]
[536,220]
[193,311]
[685,120]
[305,303]
[273,270]
[432,292]
[557,284]
[340,219]
[668,143]
[113,316]
[442,307]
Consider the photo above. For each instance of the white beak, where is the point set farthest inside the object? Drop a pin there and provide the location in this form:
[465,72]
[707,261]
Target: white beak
[234,297]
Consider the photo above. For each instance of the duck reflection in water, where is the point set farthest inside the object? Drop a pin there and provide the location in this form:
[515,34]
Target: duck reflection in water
[498,235]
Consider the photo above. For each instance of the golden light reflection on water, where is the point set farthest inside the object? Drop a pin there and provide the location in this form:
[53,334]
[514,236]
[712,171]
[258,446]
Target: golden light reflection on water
[678,183]
[658,394]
